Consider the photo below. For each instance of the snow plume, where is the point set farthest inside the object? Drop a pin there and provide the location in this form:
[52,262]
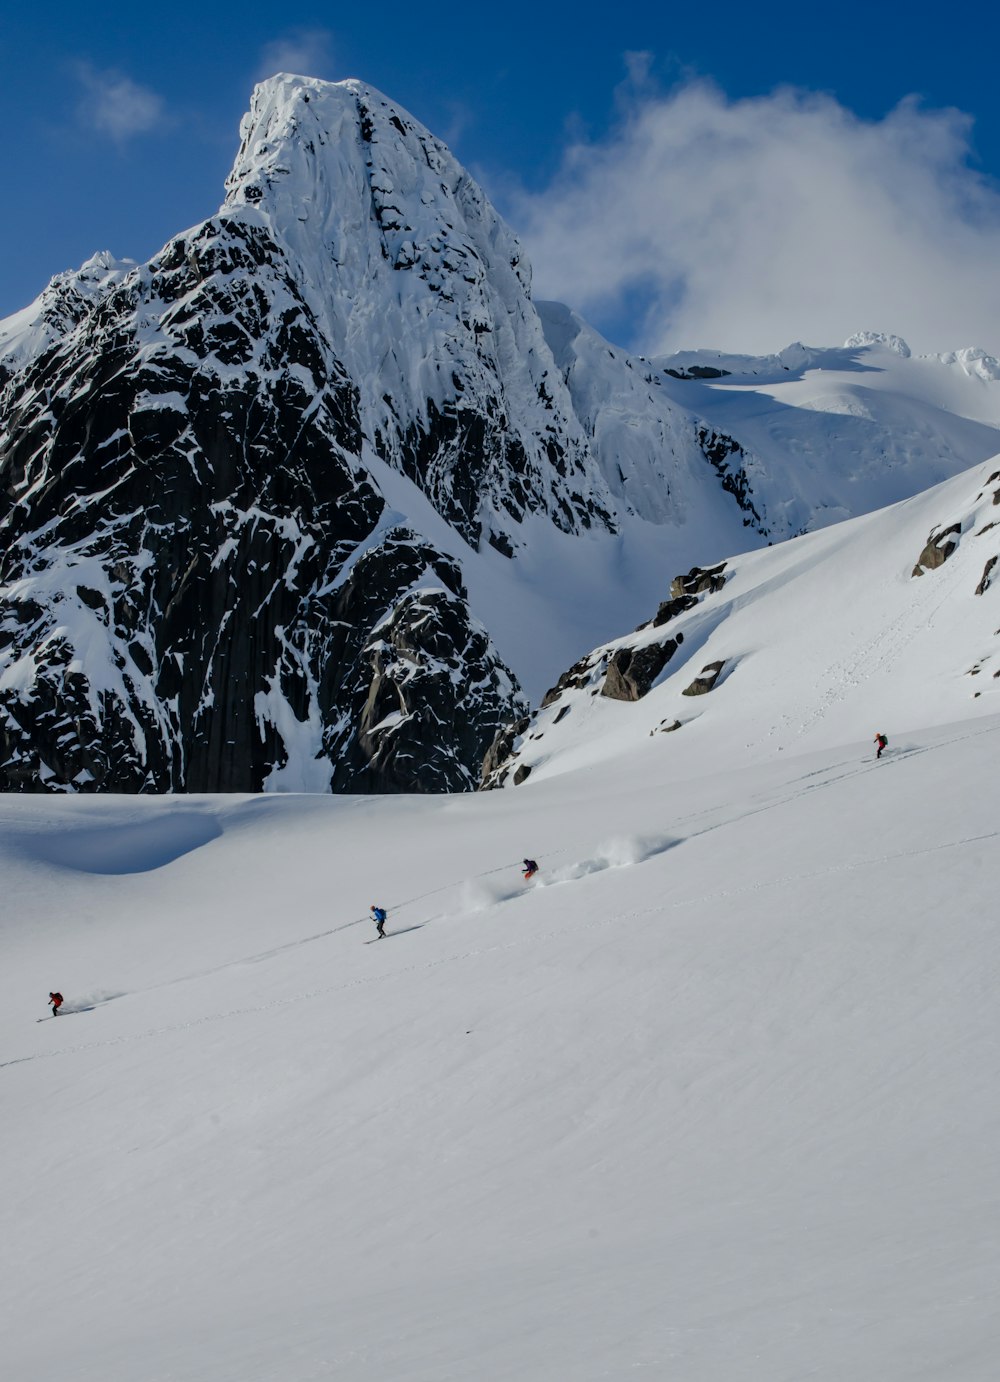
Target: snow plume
[479,894]
[756,222]
[116,105]
[302,50]
[617,853]
[86,1002]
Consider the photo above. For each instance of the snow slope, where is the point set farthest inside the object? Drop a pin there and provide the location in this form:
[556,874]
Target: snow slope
[824,639]
[714,1098]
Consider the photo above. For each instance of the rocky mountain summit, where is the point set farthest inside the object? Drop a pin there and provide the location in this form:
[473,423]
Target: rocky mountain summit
[266,501]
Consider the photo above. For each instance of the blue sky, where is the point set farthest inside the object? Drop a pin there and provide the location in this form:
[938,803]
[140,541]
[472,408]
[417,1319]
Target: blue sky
[809,193]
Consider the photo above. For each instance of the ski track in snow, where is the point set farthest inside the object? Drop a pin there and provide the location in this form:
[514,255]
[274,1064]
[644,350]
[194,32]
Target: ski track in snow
[573,873]
[863,661]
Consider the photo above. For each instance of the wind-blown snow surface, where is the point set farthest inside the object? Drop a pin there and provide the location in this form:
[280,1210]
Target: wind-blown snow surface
[714,1098]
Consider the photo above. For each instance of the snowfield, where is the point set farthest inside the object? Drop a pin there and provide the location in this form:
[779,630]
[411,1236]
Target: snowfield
[713,1098]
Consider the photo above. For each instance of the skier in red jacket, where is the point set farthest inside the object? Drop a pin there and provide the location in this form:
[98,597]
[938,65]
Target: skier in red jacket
[56,999]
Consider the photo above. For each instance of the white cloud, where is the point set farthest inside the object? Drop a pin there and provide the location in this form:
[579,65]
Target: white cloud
[301,52]
[116,105]
[748,224]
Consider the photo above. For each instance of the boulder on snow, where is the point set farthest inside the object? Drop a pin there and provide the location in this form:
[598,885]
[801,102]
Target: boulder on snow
[700,580]
[705,680]
[669,609]
[984,584]
[940,546]
[632,671]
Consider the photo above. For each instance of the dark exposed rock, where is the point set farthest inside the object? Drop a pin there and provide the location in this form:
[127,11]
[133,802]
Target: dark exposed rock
[521,774]
[700,580]
[670,609]
[632,671]
[501,750]
[436,694]
[985,582]
[684,592]
[578,676]
[726,456]
[940,546]
[207,496]
[629,672]
[698,372]
[705,680]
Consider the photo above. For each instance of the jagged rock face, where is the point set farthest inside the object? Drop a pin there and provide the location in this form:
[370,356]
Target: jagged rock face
[64,303]
[181,495]
[437,693]
[501,750]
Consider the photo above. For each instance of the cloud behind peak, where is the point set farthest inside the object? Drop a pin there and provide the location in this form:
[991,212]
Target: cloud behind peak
[746,224]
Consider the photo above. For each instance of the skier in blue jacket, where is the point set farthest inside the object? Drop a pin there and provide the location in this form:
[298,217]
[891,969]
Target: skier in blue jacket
[379,916]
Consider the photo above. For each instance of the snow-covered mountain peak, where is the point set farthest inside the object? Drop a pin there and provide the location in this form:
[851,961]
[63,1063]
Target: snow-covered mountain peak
[356,185]
[878,338]
[975,362]
[424,292]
